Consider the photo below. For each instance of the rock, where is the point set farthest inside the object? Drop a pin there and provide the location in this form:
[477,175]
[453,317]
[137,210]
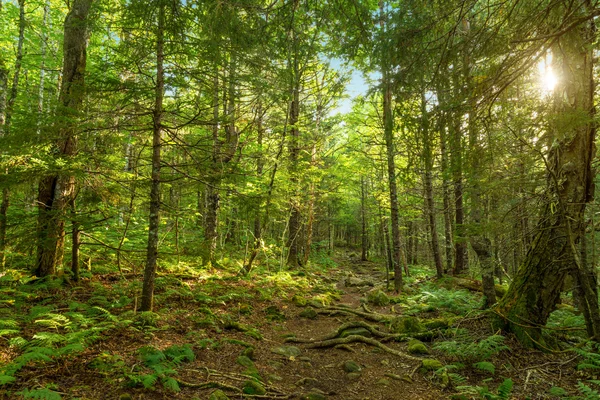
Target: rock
[245,361]
[275,365]
[351,366]
[253,387]
[438,323]
[377,297]
[430,364]
[417,347]
[218,395]
[299,300]
[406,324]
[309,313]
[354,281]
[353,376]
[307,382]
[356,331]
[249,352]
[274,378]
[383,382]
[286,351]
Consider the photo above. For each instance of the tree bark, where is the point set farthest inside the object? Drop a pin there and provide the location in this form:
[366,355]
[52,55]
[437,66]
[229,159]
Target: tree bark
[6,112]
[363,215]
[55,192]
[293,241]
[554,252]
[428,182]
[154,217]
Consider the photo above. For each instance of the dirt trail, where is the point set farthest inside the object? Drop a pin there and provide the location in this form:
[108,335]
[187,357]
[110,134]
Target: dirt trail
[321,371]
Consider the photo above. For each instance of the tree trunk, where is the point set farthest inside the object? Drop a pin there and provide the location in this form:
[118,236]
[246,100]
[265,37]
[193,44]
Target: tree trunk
[56,192]
[446,197]
[428,181]
[363,214]
[553,252]
[154,218]
[293,242]
[6,111]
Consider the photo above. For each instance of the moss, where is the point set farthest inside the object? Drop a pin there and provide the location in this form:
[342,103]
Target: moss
[417,347]
[406,325]
[253,387]
[249,353]
[218,395]
[351,366]
[430,365]
[378,297]
[309,313]
[245,361]
[356,331]
[438,323]
[299,300]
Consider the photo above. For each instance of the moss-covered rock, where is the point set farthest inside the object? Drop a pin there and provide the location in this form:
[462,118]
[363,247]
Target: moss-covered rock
[407,324]
[417,347]
[351,366]
[253,387]
[249,352]
[430,364]
[245,361]
[309,313]
[377,297]
[353,376]
[218,395]
[286,351]
[299,300]
[438,323]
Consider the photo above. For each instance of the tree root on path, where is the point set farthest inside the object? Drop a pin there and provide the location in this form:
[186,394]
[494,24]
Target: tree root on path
[368,315]
[360,339]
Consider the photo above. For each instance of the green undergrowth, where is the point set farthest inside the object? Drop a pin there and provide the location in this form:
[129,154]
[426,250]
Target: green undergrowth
[48,323]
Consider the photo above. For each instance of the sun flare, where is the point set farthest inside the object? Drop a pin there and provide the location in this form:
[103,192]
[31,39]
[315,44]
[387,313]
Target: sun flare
[547,78]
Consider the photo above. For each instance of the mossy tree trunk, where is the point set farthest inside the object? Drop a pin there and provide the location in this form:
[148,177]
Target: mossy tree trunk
[55,192]
[554,250]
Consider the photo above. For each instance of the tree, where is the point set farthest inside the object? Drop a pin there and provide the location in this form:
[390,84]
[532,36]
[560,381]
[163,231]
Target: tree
[56,191]
[554,252]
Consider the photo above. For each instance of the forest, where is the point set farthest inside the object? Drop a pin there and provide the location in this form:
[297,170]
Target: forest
[299,199]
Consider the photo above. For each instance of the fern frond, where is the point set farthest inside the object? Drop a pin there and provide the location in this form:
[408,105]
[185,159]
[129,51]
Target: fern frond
[504,389]
[171,384]
[40,394]
[485,366]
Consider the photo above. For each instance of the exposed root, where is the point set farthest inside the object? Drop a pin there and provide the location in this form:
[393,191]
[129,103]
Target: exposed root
[209,385]
[348,325]
[369,316]
[361,339]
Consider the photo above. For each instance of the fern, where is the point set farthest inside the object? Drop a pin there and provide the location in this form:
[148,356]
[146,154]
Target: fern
[588,392]
[41,394]
[473,351]
[5,379]
[485,366]
[504,390]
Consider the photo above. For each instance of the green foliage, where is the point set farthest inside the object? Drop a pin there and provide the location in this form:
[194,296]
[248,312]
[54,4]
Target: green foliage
[459,302]
[40,394]
[485,366]
[471,351]
[502,392]
[163,366]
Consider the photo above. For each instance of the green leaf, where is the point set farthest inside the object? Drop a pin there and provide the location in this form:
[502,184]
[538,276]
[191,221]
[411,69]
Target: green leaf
[485,366]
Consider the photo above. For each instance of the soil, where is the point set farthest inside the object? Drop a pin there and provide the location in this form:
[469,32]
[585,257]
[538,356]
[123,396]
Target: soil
[316,372]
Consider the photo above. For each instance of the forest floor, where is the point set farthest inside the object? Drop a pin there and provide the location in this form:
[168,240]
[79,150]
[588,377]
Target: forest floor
[268,336]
